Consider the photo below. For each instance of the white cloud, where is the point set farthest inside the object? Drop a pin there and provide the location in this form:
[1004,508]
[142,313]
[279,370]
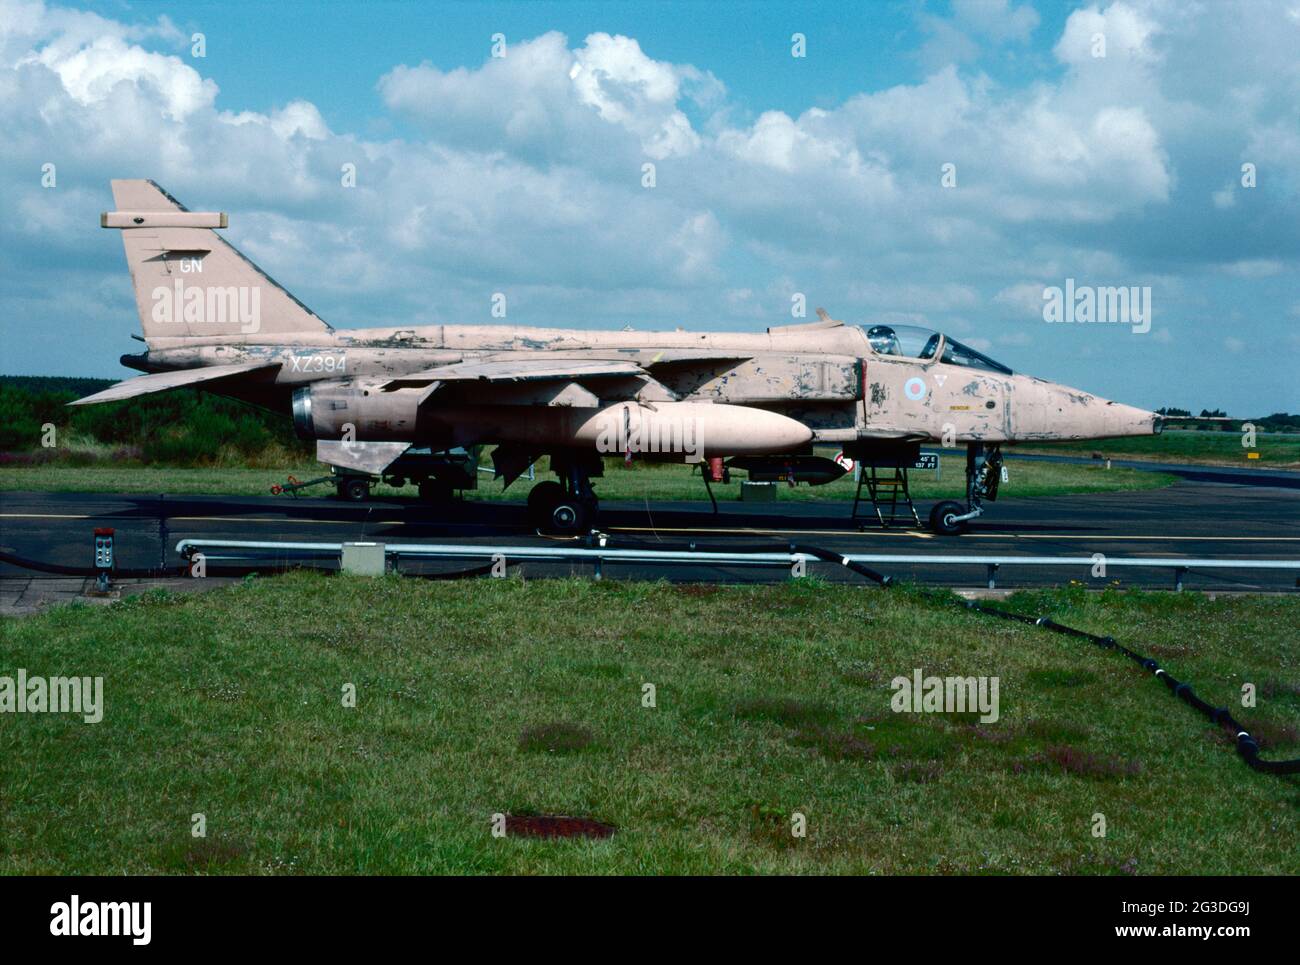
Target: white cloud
[544,98]
[1127,35]
[997,19]
[1254,267]
[89,75]
[296,117]
[1024,299]
[958,40]
[779,142]
[628,88]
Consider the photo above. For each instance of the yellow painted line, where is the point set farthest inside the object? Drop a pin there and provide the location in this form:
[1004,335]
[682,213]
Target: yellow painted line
[916,534]
[278,519]
[1105,536]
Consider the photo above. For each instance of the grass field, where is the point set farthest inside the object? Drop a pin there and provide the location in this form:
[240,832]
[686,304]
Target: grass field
[1276,450]
[641,481]
[514,697]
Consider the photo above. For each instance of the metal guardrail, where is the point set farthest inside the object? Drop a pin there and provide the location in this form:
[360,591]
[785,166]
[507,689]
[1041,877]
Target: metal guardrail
[231,550]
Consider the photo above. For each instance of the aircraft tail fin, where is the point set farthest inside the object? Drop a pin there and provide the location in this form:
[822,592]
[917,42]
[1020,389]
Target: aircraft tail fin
[191,282]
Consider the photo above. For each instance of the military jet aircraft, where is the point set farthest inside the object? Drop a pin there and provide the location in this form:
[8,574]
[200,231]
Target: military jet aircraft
[214,320]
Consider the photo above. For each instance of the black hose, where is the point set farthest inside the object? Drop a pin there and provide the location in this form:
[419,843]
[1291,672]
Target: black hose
[457,574]
[1247,746]
[827,556]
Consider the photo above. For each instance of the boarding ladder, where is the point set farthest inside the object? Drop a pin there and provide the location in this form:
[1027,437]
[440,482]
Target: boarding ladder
[887,488]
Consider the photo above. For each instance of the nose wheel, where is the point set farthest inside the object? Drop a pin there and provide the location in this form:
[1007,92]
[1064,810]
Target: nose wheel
[943,518]
[983,473]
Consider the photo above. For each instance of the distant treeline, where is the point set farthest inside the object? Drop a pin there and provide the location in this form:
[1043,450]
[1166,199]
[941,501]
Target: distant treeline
[179,428]
[1277,422]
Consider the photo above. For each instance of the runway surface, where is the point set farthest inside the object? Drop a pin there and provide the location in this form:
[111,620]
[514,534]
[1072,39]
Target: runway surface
[1193,518]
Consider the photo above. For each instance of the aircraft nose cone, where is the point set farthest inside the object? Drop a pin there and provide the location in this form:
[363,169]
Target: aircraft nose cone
[1051,411]
[1128,420]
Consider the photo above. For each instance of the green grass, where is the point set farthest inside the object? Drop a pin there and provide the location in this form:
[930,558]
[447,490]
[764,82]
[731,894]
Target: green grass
[506,696]
[1276,450]
[641,481]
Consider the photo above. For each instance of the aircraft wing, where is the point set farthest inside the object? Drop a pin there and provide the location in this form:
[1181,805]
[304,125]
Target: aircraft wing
[516,370]
[688,358]
[162,381]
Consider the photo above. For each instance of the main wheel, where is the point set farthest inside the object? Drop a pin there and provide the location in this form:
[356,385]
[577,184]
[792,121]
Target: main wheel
[941,518]
[543,498]
[568,516]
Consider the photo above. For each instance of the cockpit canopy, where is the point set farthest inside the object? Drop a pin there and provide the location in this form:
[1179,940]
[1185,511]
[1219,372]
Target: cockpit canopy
[912,341]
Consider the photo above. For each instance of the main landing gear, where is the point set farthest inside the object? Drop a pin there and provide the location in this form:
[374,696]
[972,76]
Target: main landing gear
[567,506]
[983,473]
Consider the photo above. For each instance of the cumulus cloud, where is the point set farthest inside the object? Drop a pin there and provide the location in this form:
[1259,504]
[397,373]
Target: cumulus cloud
[1023,299]
[997,19]
[90,74]
[777,141]
[627,88]
[543,97]
[296,117]
[1093,35]
[974,24]
[1254,267]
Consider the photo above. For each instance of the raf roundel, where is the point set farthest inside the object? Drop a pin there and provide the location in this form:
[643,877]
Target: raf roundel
[914,389]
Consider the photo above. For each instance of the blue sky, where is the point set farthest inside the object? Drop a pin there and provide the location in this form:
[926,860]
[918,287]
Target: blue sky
[775,175]
[264,54]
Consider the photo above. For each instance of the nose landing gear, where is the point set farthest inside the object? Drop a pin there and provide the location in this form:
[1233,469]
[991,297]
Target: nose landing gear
[983,474]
